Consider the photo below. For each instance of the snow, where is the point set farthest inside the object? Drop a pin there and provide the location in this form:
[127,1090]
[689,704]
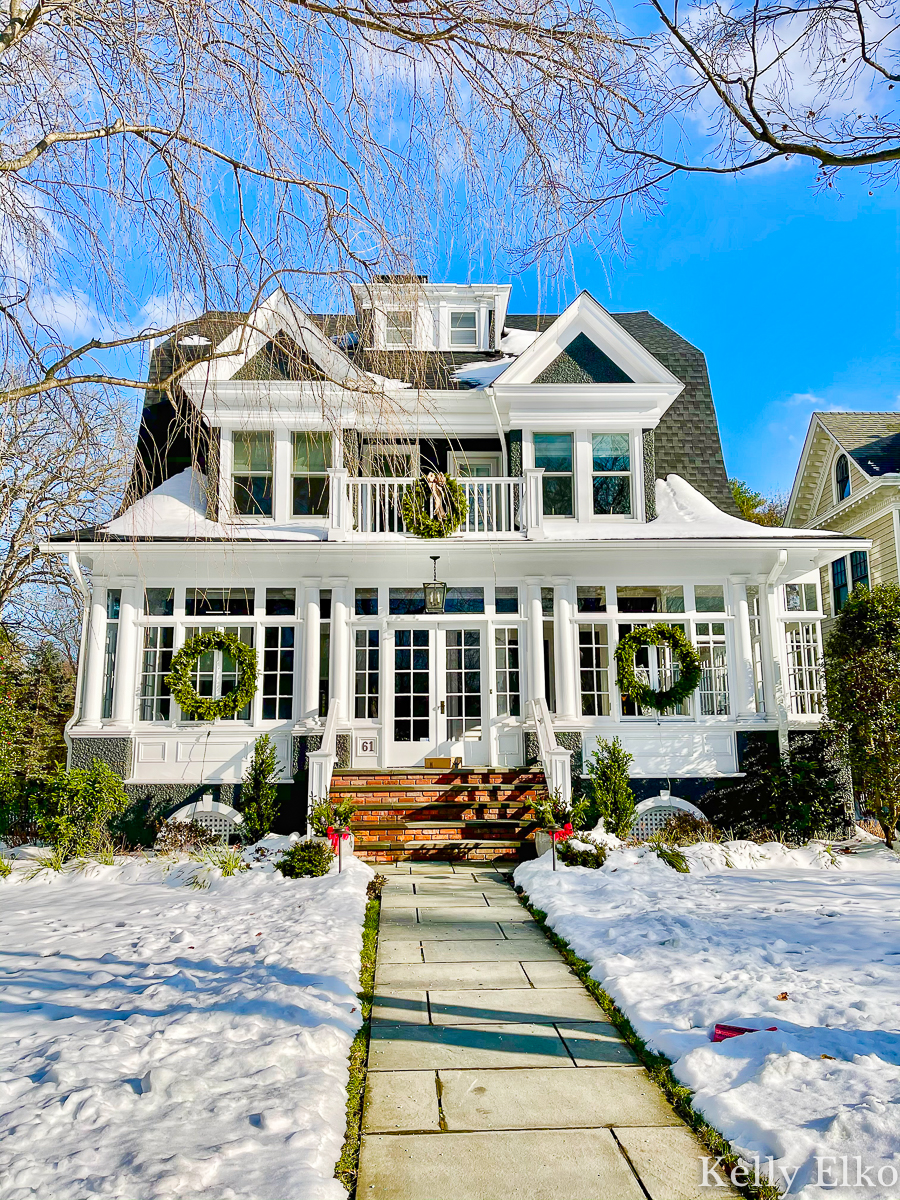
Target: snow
[517,341]
[482,374]
[158,1040]
[680,953]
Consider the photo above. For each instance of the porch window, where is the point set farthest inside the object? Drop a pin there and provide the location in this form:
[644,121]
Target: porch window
[159,602]
[281,602]
[366,675]
[612,474]
[252,473]
[839,583]
[216,672]
[404,602]
[709,597]
[593,661]
[659,669]
[464,600]
[309,473]
[553,452]
[219,602]
[710,643]
[804,655]
[398,328]
[506,600]
[463,329]
[278,673]
[859,568]
[366,602]
[591,599]
[506,662]
[159,643]
[664,599]
[801,597]
[113,601]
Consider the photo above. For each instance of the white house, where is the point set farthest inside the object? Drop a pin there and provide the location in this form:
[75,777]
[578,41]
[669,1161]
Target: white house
[267,499]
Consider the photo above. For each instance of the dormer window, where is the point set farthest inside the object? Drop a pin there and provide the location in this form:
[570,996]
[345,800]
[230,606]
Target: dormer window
[463,329]
[252,477]
[841,478]
[398,328]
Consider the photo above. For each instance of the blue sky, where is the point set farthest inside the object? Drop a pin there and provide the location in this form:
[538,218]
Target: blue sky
[791,294]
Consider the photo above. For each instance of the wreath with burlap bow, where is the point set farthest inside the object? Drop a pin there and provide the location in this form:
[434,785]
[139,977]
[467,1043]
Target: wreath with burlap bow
[446,499]
[180,680]
[682,649]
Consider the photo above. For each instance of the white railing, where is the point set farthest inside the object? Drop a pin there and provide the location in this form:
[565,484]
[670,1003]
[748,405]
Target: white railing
[493,505]
[556,760]
[322,761]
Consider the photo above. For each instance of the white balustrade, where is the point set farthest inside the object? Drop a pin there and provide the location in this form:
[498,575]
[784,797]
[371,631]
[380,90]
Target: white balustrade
[493,505]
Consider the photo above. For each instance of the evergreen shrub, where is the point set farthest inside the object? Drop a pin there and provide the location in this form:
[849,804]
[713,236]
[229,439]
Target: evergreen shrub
[607,794]
[259,791]
[305,859]
[80,807]
[593,855]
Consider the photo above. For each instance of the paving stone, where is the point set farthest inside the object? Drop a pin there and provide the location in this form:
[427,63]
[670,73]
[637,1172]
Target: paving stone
[431,868]
[398,952]
[670,1163]
[400,1006]
[437,931]
[552,974]
[453,975]
[474,1007]
[430,1047]
[592,1043]
[460,915]
[525,928]
[401,1100]
[571,1098]
[457,900]
[473,951]
[522,1165]
[459,887]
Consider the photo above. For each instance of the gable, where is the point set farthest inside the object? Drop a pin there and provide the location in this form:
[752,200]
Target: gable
[281,358]
[582,361]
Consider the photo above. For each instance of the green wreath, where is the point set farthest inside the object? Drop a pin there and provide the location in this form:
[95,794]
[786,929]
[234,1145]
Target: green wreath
[414,507]
[181,685]
[640,692]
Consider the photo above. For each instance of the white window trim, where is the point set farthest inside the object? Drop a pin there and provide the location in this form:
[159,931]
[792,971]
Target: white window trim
[632,477]
[478,343]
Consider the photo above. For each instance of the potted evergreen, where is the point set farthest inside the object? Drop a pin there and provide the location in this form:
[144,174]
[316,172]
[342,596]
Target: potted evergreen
[556,821]
[330,823]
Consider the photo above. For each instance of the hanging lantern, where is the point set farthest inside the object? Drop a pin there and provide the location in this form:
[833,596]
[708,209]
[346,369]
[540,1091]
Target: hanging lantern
[435,591]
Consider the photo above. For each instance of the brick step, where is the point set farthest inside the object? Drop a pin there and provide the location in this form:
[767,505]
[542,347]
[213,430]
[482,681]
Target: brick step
[399,786]
[469,851]
[356,826]
[435,812]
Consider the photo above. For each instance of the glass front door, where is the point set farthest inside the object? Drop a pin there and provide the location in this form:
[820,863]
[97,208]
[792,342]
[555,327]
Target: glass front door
[463,706]
[412,719]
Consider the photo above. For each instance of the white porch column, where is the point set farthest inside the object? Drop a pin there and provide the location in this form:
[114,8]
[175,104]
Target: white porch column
[776,677]
[564,635]
[312,621]
[94,650]
[340,645]
[745,689]
[126,655]
[535,636]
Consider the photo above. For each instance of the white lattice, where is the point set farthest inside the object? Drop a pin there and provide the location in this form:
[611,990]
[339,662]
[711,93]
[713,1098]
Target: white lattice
[220,819]
[652,820]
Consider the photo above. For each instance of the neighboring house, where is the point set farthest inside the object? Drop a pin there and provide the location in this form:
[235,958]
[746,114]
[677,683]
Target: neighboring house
[848,480]
[267,498]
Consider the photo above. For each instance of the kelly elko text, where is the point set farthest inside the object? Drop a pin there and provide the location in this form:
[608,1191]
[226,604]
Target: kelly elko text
[845,1170]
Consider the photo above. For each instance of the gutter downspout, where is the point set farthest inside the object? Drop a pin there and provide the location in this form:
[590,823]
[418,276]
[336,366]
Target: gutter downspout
[504,457]
[82,586]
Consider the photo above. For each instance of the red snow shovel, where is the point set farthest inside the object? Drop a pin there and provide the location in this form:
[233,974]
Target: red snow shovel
[721,1033]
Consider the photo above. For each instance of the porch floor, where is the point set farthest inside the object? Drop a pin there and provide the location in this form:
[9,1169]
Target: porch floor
[492,1072]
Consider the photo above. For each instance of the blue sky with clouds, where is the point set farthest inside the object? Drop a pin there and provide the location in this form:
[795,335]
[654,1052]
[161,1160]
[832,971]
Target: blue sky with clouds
[792,295]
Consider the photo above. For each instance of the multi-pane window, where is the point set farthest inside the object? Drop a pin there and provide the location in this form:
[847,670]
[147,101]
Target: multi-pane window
[219,602]
[593,662]
[710,644]
[159,643]
[309,473]
[612,474]
[506,662]
[553,452]
[278,673]
[859,568]
[804,667]
[659,668]
[366,674]
[463,682]
[463,329]
[412,685]
[591,599]
[252,473]
[841,478]
[113,601]
[215,672]
[801,597]
[398,328]
[506,600]
[839,583]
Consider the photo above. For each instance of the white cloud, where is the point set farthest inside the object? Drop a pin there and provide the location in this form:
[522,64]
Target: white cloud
[166,308]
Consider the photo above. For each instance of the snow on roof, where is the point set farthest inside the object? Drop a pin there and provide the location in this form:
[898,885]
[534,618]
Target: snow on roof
[482,374]
[177,509]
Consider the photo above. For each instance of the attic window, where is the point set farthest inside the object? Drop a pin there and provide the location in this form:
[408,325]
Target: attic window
[463,329]
[398,329]
[841,478]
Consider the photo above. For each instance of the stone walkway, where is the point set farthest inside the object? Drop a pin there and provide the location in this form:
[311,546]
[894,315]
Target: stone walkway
[492,1072]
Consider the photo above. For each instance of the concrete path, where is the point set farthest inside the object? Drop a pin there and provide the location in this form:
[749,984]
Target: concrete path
[492,1072]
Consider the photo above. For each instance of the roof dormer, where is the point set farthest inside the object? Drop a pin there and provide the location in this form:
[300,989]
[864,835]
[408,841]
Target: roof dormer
[404,312]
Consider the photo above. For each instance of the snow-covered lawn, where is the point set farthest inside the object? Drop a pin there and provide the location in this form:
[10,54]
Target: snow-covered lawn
[680,953]
[158,1040]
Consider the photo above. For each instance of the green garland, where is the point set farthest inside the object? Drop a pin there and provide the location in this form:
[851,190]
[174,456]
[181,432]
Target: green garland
[414,507]
[641,693]
[181,685]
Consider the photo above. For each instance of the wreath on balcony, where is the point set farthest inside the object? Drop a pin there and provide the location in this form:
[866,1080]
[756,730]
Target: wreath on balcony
[180,682]
[448,505]
[683,650]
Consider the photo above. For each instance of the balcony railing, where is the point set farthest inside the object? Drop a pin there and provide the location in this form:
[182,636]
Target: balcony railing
[494,505]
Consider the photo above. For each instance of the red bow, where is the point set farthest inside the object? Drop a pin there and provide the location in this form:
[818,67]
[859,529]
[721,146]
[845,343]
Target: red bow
[332,834]
[560,835]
